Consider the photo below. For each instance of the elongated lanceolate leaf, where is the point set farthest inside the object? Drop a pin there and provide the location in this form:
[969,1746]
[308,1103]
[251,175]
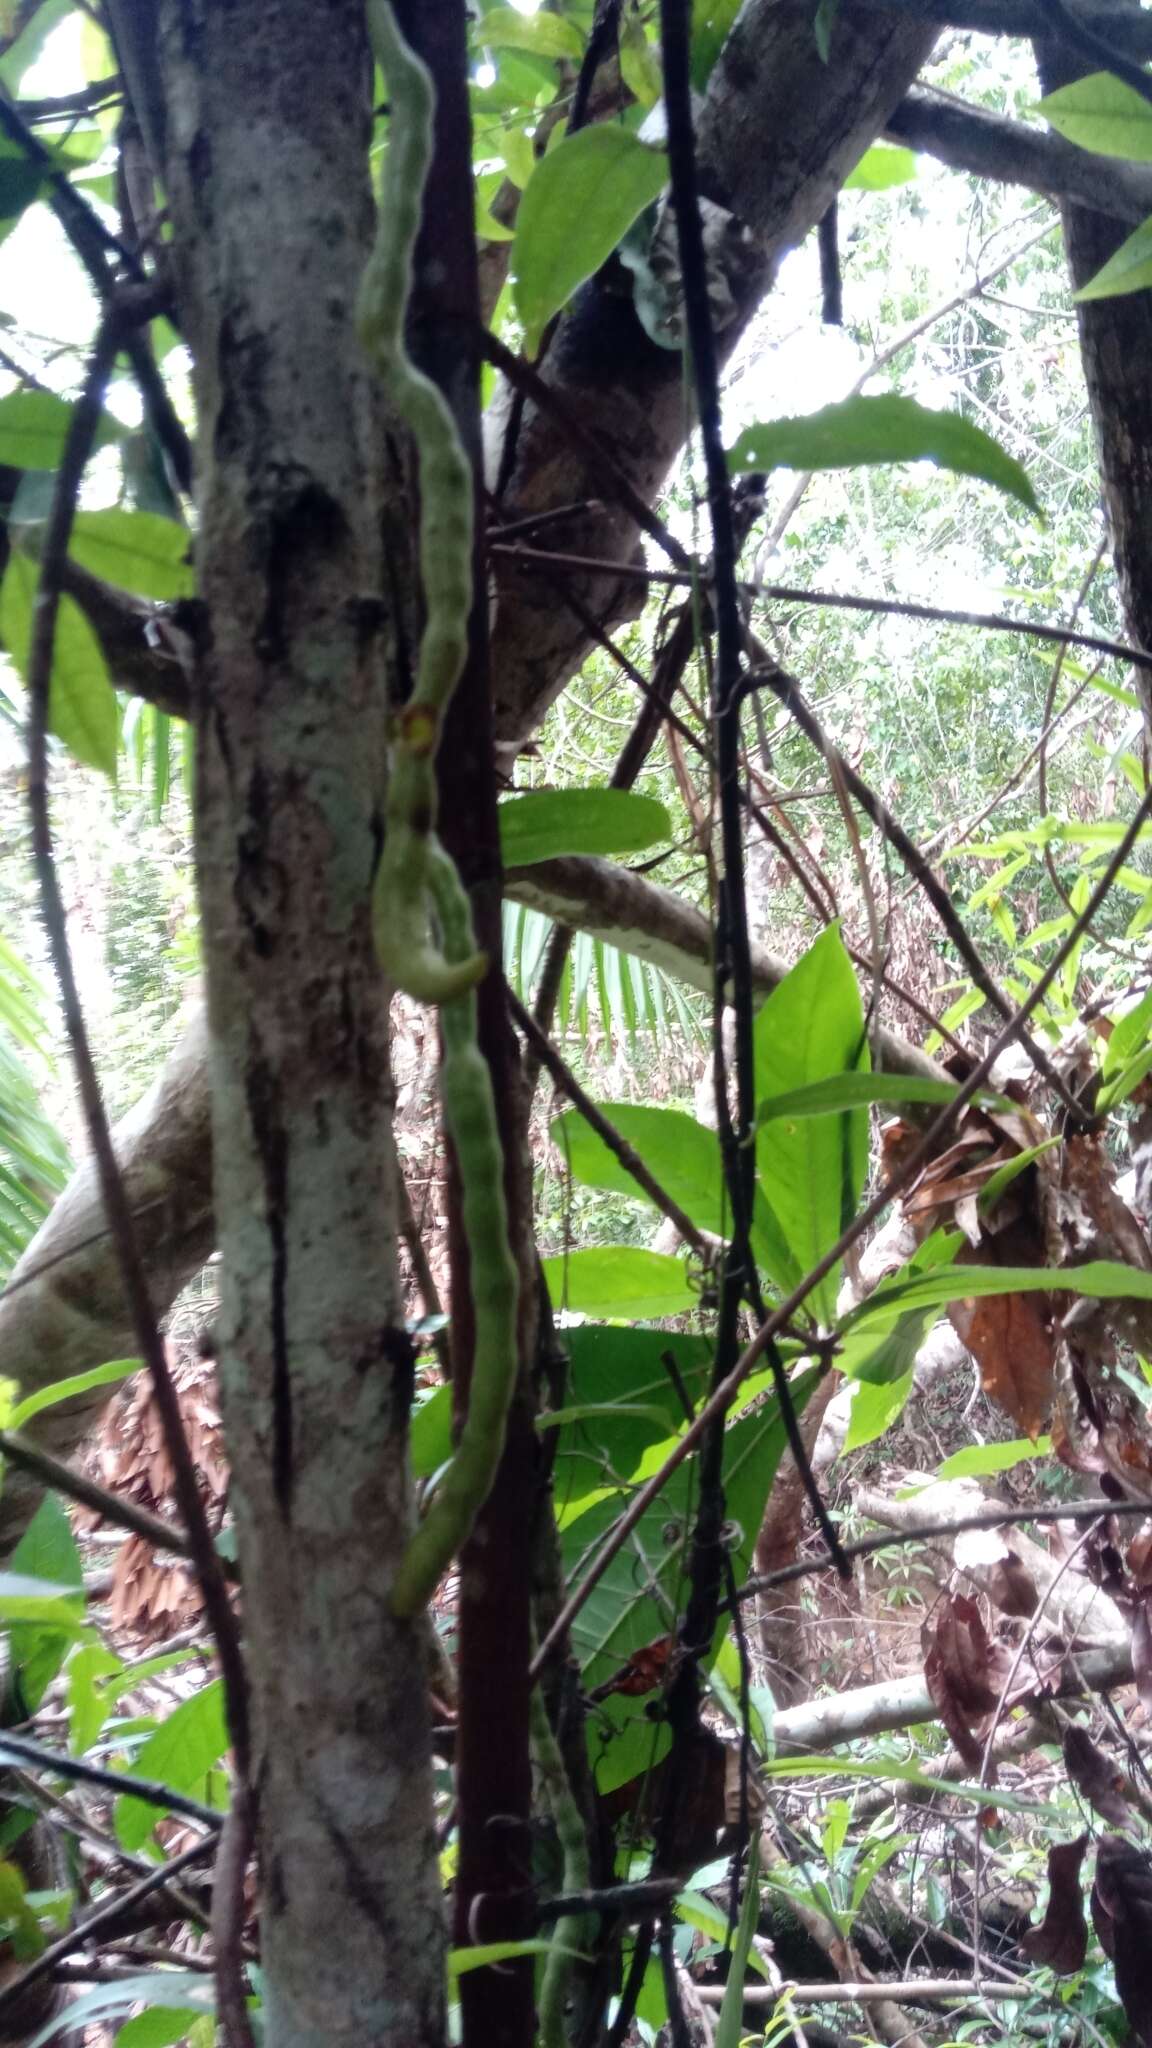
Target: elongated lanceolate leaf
[1128,269]
[582,197]
[545,824]
[860,432]
[1101,113]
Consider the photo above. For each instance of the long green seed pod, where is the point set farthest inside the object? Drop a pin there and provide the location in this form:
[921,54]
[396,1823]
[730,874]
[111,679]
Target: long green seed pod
[417,884]
[470,1114]
[577,1931]
[400,905]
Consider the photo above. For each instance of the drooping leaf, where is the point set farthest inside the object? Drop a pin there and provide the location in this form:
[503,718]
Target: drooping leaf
[958,1674]
[620,1280]
[82,708]
[1101,113]
[180,1754]
[1096,1780]
[875,1407]
[883,165]
[811,1169]
[581,199]
[1061,1939]
[860,432]
[1128,269]
[1011,1339]
[546,823]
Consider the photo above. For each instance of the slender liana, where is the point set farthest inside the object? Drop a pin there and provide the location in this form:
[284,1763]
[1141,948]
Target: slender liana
[421,914]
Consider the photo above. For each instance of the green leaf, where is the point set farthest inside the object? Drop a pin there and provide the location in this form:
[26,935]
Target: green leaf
[34,427]
[911,1774]
[190,1992]
[546,823]
[542,35]
[730,2025]
[848,1091]
[430,1433]
[875,1407]
[20,183]
[82,709]
[618,1280]
[48,1554]
[711,23]
[582,198]
[88,1703]
[881,167]
[138,551]
[976,1461]
[614,1373]
[684,1156]
[24,1597]
[63,1390]
[862,431]
[161,2027]
[1101,113]
[811,1169]
[1128,269]
[1097,1280]
[179,1754]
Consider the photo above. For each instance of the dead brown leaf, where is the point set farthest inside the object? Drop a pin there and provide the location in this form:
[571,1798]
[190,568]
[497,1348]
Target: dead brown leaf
[1061,1939]
[1122,1916]
[1096,1780]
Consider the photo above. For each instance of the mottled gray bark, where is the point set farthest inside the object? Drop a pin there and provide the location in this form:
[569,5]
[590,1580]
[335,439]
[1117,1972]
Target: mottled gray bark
[1116,350]
[267,134]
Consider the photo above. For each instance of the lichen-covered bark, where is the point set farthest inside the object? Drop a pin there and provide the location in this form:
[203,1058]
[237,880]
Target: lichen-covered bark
[267,133]
[1116,351]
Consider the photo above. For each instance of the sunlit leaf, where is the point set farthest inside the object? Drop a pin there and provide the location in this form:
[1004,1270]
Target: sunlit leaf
[859,432]
[883,165]
[82,709]
[620,1280]
[811,1169]
[180,1753]
[547,823]
[1101,113]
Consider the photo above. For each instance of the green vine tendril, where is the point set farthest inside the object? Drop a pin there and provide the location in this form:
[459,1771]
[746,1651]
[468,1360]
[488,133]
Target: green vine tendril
[421,914]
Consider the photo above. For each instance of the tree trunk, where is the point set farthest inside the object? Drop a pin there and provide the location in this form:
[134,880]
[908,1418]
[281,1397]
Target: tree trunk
[267,136]
[1116,349]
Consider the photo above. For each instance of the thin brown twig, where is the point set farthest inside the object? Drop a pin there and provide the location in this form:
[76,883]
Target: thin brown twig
[228,1915]
[787,593]
[986,1518]
[105,1915]
[525,379]
[938,1129]
[113,1507]
[783,686]
[150,1343]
